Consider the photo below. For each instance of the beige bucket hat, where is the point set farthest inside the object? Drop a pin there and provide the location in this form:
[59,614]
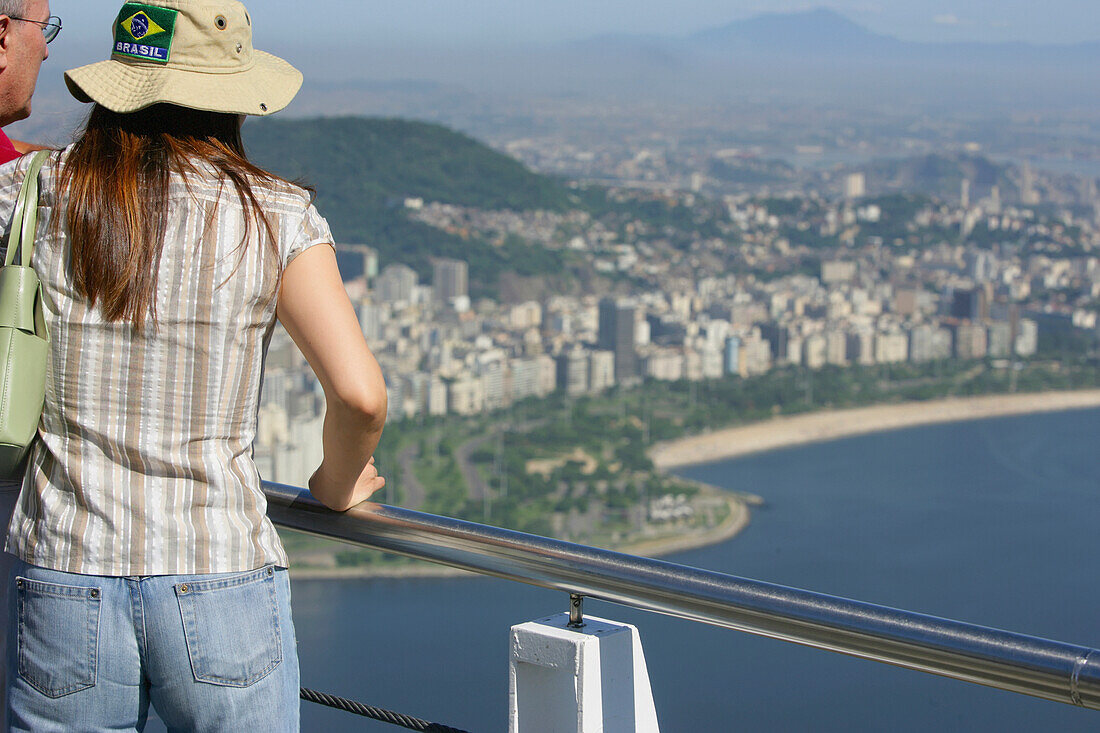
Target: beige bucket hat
[192,53]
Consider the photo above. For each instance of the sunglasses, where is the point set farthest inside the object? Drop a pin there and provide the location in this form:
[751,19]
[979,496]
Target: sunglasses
[50,27]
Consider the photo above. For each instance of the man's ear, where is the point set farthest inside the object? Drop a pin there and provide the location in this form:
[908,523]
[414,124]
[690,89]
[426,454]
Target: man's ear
[5,40]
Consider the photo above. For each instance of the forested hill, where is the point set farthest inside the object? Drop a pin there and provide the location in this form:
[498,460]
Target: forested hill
[364,168]
[355,159]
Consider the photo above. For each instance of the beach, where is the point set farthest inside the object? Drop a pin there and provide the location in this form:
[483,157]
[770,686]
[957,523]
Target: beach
[816,427]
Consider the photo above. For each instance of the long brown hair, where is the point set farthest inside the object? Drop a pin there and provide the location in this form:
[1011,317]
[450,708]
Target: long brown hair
[116,181]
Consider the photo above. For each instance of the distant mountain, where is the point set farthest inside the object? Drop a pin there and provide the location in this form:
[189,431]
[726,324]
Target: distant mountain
[363,169]
[811,32]
[773,42]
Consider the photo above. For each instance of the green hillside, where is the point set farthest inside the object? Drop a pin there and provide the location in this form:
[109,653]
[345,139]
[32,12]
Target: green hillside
[364,168]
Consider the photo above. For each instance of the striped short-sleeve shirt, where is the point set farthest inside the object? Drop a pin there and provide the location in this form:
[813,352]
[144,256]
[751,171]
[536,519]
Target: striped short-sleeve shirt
[145,466]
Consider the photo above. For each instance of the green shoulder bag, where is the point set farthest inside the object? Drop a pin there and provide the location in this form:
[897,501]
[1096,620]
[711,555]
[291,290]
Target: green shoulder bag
[23,336]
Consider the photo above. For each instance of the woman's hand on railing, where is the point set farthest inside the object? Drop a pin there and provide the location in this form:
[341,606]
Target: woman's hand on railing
[338,498]
[316,311]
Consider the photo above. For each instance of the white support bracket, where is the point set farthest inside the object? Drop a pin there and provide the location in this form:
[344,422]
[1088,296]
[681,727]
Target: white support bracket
[591,679]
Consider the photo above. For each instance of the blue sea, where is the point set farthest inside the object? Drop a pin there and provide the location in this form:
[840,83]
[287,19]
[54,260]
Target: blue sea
[993,522]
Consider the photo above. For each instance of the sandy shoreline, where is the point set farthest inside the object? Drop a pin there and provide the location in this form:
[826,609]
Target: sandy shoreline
[816,427]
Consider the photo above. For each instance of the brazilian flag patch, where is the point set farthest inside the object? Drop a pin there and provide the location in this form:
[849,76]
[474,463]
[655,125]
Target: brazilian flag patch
[145,32]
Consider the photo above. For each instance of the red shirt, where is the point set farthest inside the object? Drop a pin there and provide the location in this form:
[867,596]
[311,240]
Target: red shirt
[7,150]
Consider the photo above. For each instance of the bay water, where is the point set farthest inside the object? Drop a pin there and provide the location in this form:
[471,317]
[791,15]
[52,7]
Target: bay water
[992,522]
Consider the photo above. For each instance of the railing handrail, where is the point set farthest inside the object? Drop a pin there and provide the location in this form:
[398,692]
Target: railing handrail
[1052,670]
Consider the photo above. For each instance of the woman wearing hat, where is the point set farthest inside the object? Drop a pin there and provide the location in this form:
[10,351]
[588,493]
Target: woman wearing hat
[149,571]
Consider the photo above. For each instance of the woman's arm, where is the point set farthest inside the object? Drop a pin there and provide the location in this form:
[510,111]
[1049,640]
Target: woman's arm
[314,308]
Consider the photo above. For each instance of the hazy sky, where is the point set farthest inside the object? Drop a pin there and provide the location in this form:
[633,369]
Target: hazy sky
[279,23]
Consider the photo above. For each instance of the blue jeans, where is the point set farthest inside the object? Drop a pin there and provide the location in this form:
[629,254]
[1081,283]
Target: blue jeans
[210,652]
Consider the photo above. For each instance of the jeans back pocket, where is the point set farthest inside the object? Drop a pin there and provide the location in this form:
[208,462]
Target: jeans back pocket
[231,625]
[58,636]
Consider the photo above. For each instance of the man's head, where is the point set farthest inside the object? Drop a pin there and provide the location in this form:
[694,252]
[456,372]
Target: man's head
[22,51]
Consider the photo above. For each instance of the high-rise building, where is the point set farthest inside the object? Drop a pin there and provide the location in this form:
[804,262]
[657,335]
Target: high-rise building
[971,341]
[836,348]
[815,351]
[693,365]
[861,346]
[573,372]
[416,393]
[855,186]
[525,378]
[547,374]
[712,362]
[450,279]
[1027,337]
[357,260]
[755,355]
[972,303]
[616,333]
[891,347]
[397,284]
[999,340]
[732,355]
[930,343]
[922,344]
[778,337]
[371,319]
[437,397]
[465,396]
[395,400]
[981,266]
[492,370]
[666,330]
[995,200]
[525,315]
[664,364]
[1028,195]
[601,370]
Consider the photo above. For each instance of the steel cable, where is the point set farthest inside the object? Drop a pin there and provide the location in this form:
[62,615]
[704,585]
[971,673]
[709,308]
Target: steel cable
[367,711]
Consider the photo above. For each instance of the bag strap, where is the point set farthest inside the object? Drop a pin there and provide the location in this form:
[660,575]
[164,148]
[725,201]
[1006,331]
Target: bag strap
[24,225]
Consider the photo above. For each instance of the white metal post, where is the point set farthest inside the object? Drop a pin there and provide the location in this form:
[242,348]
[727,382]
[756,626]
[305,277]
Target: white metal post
[591,679]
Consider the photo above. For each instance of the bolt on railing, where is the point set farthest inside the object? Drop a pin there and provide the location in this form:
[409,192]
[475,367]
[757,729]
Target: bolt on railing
[1048,669]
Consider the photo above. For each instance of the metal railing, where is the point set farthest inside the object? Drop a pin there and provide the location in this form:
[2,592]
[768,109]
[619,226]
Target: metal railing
[1048,669]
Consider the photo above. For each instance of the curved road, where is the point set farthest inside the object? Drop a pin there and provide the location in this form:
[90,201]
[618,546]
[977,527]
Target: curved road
[477,487]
